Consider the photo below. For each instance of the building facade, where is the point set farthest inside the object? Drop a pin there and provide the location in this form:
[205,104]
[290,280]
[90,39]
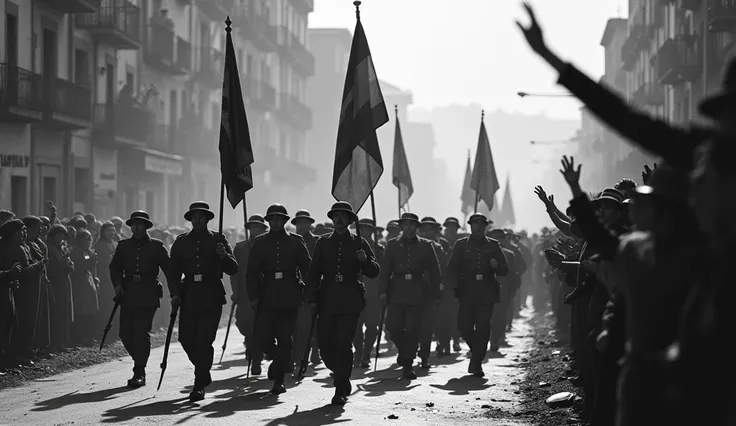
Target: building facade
[111,106]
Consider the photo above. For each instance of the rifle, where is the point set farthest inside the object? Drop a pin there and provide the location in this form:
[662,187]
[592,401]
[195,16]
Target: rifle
[305,359]
[380,332]
[174,311]
[227,333]
[254,343]
[109,322]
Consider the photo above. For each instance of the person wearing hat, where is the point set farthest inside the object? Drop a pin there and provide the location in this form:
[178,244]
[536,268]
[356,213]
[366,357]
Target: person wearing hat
[449,304]
[336,295]
[134,271]
[303,221]
[509,285]
[475,263]
[277,261]
[244,313]
[371,316]
[198,260]
[393,230]
[36,311]
[405,291]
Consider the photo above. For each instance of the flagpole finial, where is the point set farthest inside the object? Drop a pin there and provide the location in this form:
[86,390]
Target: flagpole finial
[396,109]
[228,22]
[482,114]
[357,8]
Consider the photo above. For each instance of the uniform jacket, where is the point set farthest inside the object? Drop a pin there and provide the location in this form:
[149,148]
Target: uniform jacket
[372,285]
[310,240]
[135,266]
[193,257]
[403,269]
[334,277]
[238,281]
[276,263]
[475,278]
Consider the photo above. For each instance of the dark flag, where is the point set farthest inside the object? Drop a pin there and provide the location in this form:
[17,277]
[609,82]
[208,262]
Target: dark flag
[236,152]
[468,195]
[485,181]
[358,162]
[508,216]
[401,174]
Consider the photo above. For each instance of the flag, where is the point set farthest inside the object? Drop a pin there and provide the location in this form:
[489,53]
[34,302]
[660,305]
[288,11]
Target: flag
[484,181]
[236,152]
[358,162]
[507,208]
[402,176]
[468,195]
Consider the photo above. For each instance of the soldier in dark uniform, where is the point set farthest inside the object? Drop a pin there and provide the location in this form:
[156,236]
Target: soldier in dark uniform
[393,230]
[201,257]
[371,315]
[244,313]
[303,221]
[520,267]
[277,261]
[508,285]
[430,230]
[405,291]
[475,262]
[134,272]
[448,310]
[335,291]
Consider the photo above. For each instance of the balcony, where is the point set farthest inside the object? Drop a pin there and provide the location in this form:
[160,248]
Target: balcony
[265,36]
[284,45]
[116,26]
[693,5]
[158,50]
[216,9]
[121,123]
[21,94]
[68,106]
[210,71]
[650,94]
[678,61]
[303,7]
[629,55]
[721,16]
[294,112]
[74,6]
[162,137]
[183,55]
[266,98]
[194,139]
[305,59]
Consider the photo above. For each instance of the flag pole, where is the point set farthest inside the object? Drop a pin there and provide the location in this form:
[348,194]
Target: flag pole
[398,188]
[222,203]
[477,192]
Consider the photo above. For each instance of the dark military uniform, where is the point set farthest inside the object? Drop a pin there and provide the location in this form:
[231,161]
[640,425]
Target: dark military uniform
[304,317]
[370,317]
[334,284]
[135,266]
[277,261]
[508,283]
[402,272]
[202,294]
[435,315]
[477,289]
[520,268]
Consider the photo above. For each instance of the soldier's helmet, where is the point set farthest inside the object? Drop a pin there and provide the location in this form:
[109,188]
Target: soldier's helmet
[302,215]
[276,210]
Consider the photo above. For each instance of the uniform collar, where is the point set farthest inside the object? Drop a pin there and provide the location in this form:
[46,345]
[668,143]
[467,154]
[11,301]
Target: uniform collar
[347,235]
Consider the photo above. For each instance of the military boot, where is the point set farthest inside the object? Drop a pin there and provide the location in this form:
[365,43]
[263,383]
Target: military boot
[138,380]
[278,386]
[408,373]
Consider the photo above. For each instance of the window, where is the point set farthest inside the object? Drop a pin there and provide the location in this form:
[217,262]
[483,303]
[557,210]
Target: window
[11,39]
[81,68]
[18,194]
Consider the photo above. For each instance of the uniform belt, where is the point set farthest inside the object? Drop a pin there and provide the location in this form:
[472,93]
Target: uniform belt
[477,277]
[341,278]
[279,275]
[414,275]
[139,277]
[201,277]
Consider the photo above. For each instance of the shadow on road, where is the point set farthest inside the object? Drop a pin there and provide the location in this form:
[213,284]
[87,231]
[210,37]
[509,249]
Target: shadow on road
[79,398]
[378,387]
[464,385]
[248,402]
[158,408]
[229,383]
[230,363]
[325,415]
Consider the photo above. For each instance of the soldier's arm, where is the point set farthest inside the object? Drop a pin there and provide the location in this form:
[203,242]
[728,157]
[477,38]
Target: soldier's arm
[371,268]
[387,267]
[303,259]
[453,266]
[173,278]
[228,264]
[433,269]
[237,280]
[116,266]
[314,276]
[503,265]
[253,271]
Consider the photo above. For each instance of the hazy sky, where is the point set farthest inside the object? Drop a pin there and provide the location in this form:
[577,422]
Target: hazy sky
[463,51]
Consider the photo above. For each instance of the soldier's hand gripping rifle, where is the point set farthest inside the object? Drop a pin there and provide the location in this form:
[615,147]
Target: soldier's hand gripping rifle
[109,322]
[174,311]
[227,333]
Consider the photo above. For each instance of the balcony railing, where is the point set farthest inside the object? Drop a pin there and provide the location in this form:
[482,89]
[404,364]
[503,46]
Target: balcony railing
[264,35]
[68,105]
[162,137]
[678,60]
[693,5]
[210,69]
[74,6]
[721,16]
[651,94]
[117,26]
[302,114]
[21,94]
[159,47]
[284,44]
[305,59]
[125,122]
[183,55]
[267,96]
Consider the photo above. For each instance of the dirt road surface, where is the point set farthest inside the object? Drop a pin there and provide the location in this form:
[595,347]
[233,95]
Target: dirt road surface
[443,395]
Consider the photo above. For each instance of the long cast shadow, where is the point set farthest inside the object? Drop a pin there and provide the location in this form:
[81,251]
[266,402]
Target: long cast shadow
[463,385]
[249,402]
[325,415]
[380,387]
[158,408]
[79,398]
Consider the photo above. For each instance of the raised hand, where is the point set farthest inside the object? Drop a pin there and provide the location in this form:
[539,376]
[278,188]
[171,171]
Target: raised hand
[541,194]
[647,173]
[533,33]
[569,172]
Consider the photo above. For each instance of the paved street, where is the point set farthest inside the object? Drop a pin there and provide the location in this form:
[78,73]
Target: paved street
[444,395]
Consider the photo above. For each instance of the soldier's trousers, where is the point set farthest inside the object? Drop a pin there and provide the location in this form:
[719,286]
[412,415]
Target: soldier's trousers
[335,335]
[245,318]
[135,333]
[275,331]
[474,322]
[197,332]
[426,330]
[445,326]
[301,334]
[364,340]
[498,319]
[404,322]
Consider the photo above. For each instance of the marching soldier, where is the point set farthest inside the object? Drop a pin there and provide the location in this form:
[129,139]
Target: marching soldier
[393,230]
[407,259]
[430,230]
[448,310]
[520,268]
[134,270]
[303,221]
[508,286]
[244,313]
[475,262]
[371,315]
[277,261]
[201,257]
[335,291]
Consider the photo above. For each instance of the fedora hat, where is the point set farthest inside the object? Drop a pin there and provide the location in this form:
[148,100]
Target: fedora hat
[451,221]
[256,220]
[610,194]
[276,210]
[478,216]
[411,217]
[141,216]
[430,221]
[199,206]
[667,183]
[343,206]
[302,215]
[367,222]
[392,224]
[712,105]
